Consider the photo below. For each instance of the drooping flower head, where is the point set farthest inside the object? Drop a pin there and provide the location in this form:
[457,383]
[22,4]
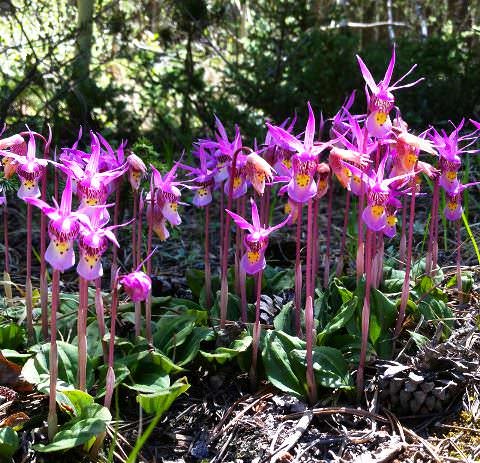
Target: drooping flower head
[323,172]
[258,171]
[29,169]
[381,99]
[223,149]
[392,206]
[136,170]
[167,196]
[449,149]
[63,229]
[453,208]
[14,144]
[93,242]
[256,241]
[203,179]
[91,184]
[137,284]
[378,194]
[302,186]
[357,149]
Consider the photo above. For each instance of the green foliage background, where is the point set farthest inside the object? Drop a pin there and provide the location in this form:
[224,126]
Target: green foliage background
[160,70]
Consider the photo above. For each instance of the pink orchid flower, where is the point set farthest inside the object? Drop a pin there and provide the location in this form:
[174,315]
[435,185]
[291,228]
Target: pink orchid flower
[256,241]
[302,186]
[381,100]
[29,169]
[63,229]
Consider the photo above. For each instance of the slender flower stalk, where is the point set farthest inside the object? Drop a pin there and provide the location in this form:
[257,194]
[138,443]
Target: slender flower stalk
[298,272]
[256,333]
[43,239]
[53,357]
[365,312]
[326,266]
[408,263]
[82,333]
[226,241]
[110,377]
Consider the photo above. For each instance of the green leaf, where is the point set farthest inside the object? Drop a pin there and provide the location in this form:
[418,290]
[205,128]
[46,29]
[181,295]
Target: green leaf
[149,379]
[89,420]
[419,339]
[278,367]
[284,320]
[341,318]
[9,443]
[12,336]
[189,350]
[36,370]
[172,330]
[161,401]
[226,354]
[331,369]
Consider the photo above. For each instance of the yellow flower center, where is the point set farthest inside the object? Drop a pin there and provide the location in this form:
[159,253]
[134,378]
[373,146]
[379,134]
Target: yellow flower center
[302,180]
[91,201]
[288,208]
[451,175]
[173,207]
[253,256]
[202,192]
[61,246]
[410,161]
[237,181]
[287,163]
[377,211]
[356,179]
[380,118]
[322,184]
[452,206]
[28,184]
[91,260]
[391,220]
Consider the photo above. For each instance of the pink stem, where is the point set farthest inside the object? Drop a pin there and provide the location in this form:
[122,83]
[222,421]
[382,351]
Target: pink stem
[110,379]
[226,242]
[43,247]
[53,358]
[208,278]
[238,247]
[28,284]
[222,218]
[298,273]
[243,275]
[148,303]
[360,260]
[310,337]
[100,315]
[256,333]
[316,203]
[403,236]
[365,313]
[343,242]
[138,305]
[434,234]
[408,263]
[82,334]
[326,268]
[5,239]
[459,263]
[308,264]
[116,208]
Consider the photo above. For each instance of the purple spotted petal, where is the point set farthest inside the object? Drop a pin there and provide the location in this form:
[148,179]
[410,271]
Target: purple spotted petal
[202,197]
[450,186]
[300,191]
[170,212]
[453,211]
[89,267]
[60,255]
[379,124]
